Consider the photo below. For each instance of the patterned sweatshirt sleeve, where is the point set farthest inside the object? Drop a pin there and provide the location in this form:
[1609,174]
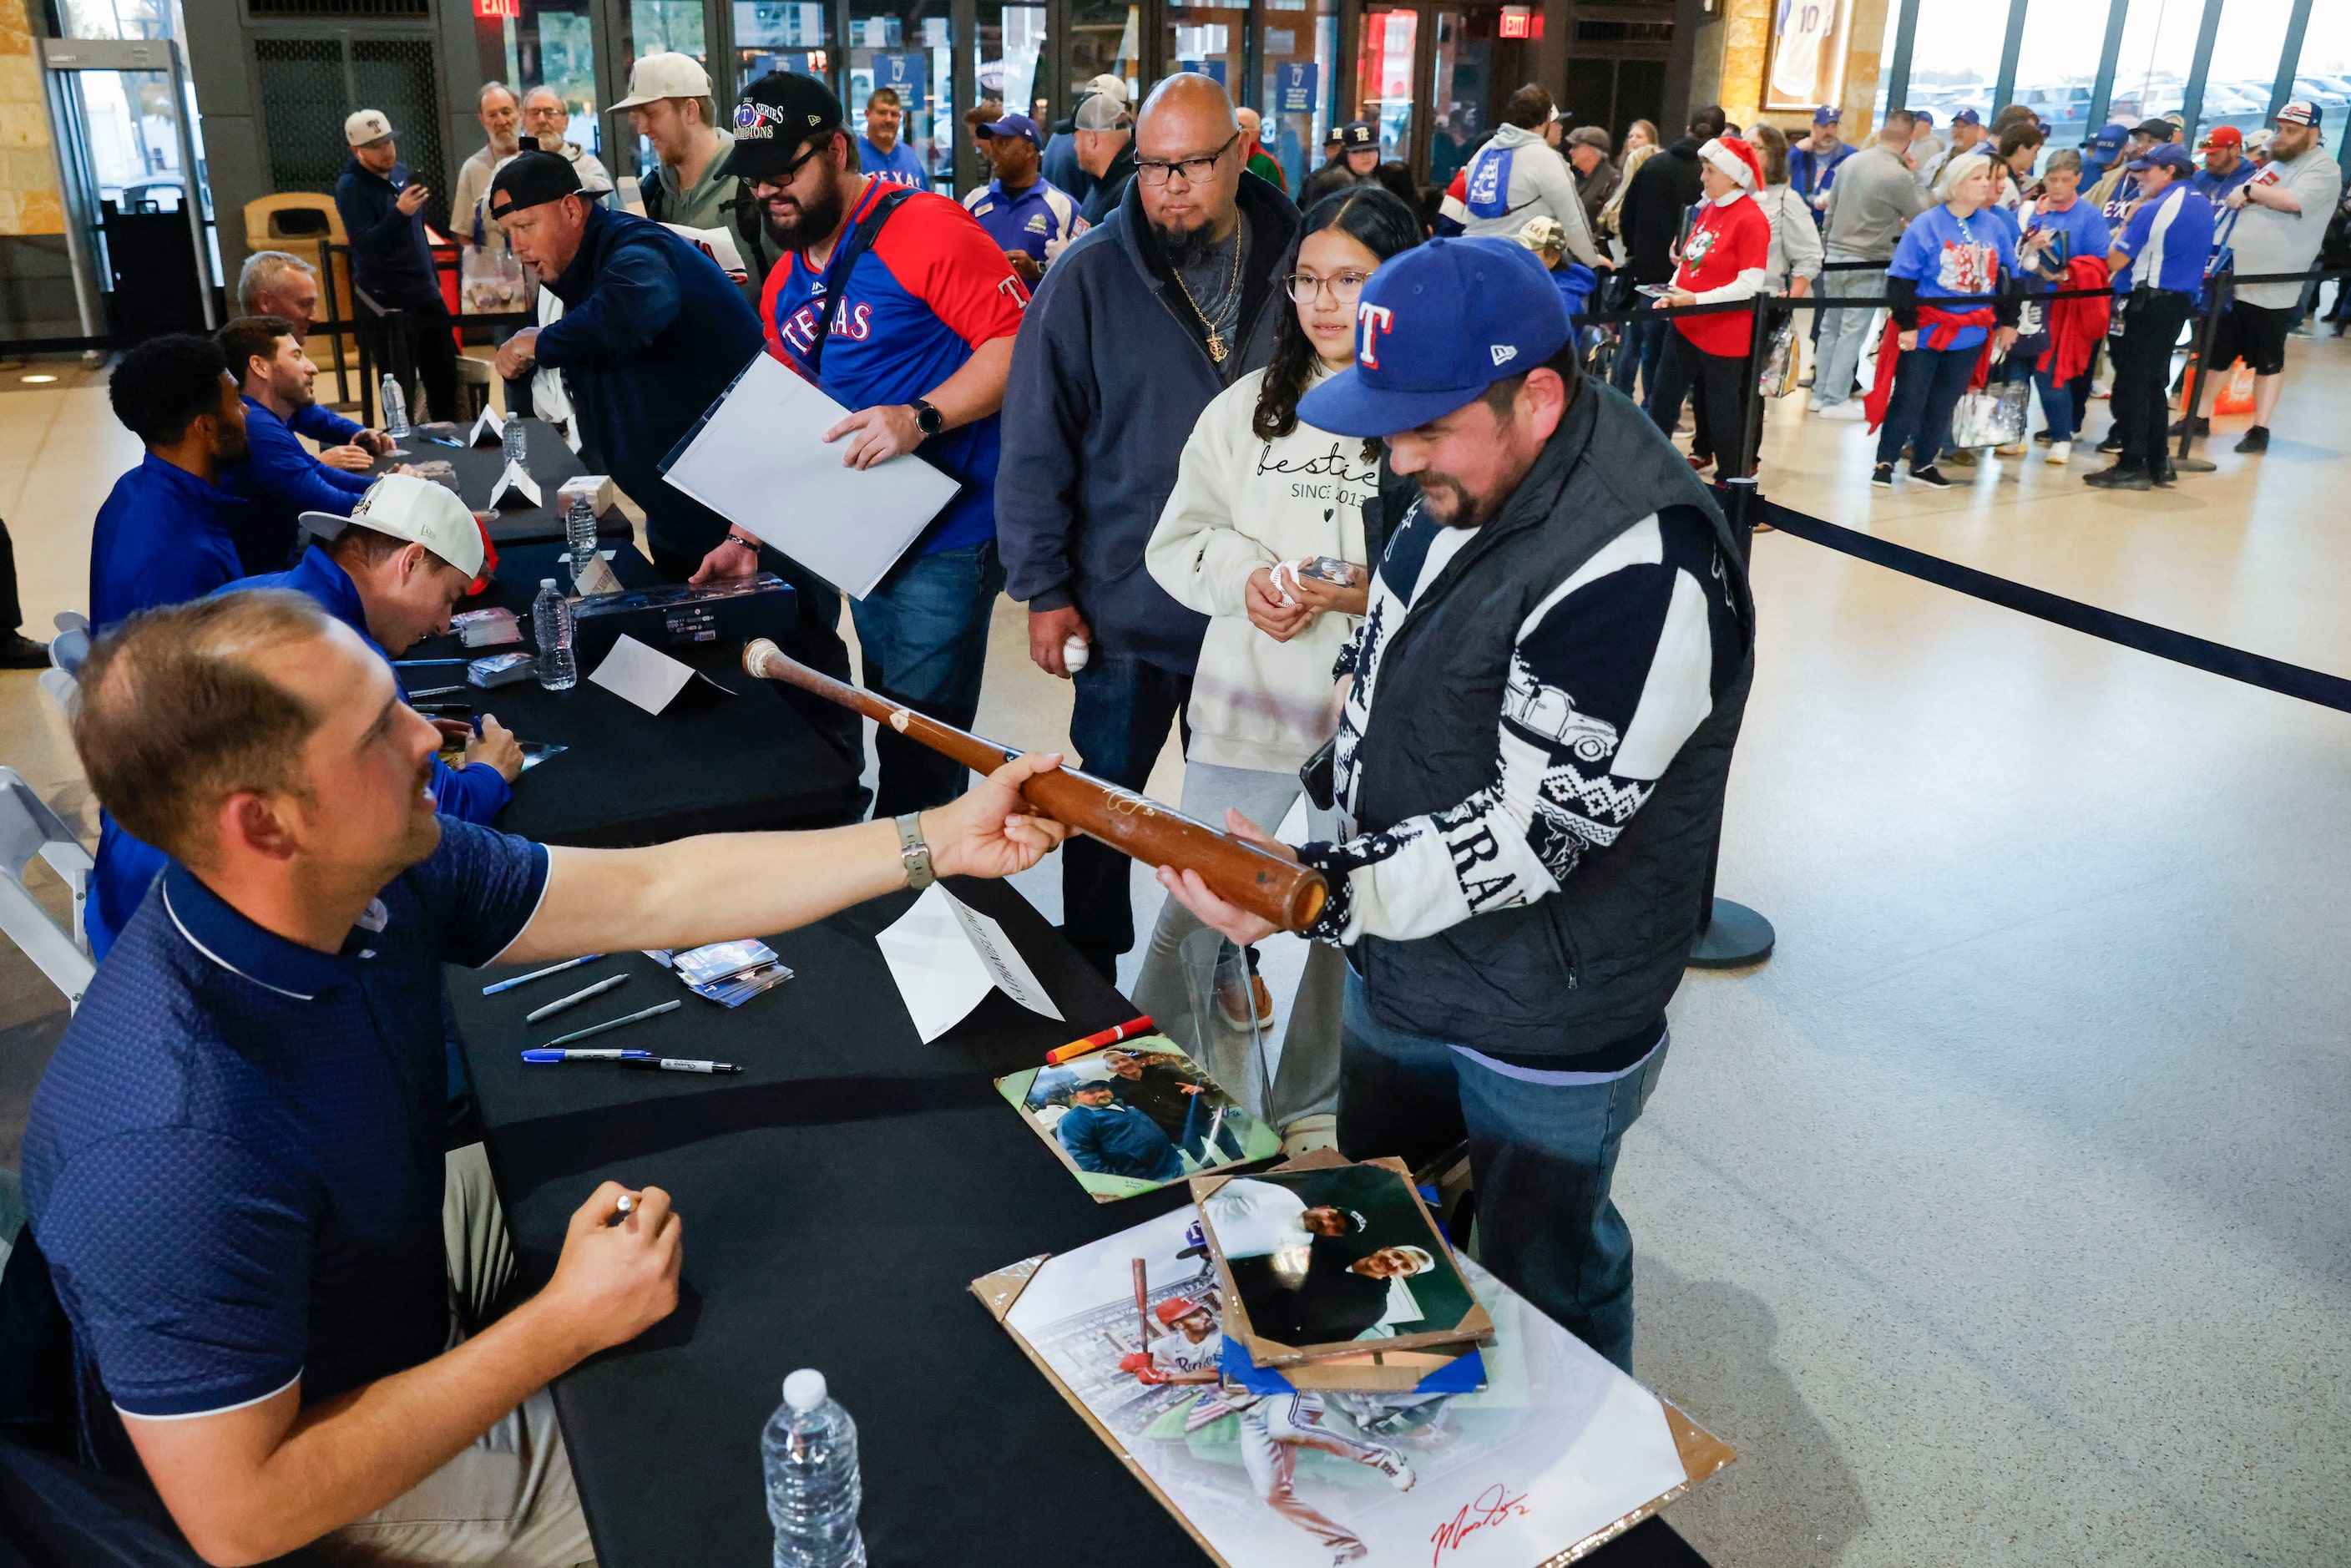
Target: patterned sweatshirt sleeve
[1611,673]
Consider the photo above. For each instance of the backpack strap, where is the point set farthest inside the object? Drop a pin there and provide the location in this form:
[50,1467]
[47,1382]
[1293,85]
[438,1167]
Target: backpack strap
[836,272]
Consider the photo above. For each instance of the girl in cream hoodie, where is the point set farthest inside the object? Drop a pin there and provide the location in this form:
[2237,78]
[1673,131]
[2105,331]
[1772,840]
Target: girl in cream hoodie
[1256,491]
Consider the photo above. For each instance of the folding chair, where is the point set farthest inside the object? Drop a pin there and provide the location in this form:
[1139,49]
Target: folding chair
[67,648]
[28,828]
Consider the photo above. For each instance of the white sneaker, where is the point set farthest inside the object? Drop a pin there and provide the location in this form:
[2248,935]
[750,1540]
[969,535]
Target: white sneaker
[2060,452]
[1849,409]
[1812,405]
[1392,1464]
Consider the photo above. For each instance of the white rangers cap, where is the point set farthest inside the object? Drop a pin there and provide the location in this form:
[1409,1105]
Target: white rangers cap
[417,510]
[368,125]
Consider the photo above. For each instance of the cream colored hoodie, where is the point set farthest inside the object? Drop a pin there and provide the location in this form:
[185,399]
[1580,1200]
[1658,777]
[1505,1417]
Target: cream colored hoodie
[1241,501]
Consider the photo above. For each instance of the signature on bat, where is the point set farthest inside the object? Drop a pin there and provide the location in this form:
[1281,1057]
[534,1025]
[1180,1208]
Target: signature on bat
[1493,1506]
[1130,805]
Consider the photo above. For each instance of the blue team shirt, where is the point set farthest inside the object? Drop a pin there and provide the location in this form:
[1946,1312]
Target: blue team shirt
[164,537]
[2081,230]
[932,289]
[1811,173]
[2167,241]
[900,166]
[233,1161]
[280,481]
[2215,188]
[1026,222]
[1951,257]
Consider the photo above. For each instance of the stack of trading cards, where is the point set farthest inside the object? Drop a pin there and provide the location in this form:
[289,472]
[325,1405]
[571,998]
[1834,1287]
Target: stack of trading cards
[728,973]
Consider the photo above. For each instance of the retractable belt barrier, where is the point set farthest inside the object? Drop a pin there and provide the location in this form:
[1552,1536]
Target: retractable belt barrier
[1875,302]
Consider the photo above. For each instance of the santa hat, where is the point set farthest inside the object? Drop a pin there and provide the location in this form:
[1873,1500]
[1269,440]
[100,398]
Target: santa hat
[1735,158]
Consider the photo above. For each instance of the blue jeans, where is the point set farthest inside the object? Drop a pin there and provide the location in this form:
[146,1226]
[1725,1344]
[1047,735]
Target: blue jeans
[1540,1154]
[1844,334]
[1638,351]
[1125,706]
[1927,387]
[923,635]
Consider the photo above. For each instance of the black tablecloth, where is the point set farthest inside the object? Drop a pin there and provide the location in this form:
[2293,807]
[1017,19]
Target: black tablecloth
[708,763]
[478,467]
[839,1198]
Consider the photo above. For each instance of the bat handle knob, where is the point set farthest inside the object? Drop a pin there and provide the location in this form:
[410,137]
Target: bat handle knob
[756,653]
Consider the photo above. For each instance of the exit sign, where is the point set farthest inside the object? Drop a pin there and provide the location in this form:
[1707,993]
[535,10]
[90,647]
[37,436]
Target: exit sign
[493,10]
[1518,21]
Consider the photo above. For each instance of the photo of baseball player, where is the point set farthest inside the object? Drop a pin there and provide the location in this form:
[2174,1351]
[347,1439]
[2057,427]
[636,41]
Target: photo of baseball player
[1326,1257]
[1136,1117]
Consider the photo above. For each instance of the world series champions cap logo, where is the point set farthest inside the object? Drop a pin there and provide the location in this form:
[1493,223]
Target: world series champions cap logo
[757,121]
[1371,321]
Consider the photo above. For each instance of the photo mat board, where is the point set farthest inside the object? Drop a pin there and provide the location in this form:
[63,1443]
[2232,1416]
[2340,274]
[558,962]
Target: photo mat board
[1558,1453]
[1152,1134]
[1332,1259]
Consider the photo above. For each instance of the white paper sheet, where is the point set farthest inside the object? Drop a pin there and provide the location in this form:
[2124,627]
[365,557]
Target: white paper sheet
[645,676]
[489,427]
[513,479]
[946,956]
[716,244]
[761,461]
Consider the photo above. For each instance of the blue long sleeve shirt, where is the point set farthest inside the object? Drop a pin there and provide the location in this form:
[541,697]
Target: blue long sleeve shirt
[280,481]
[164,537]
[323,425]
[126,866]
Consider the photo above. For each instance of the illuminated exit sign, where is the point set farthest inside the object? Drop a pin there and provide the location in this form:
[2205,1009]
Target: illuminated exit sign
[493,10]
[1518,21]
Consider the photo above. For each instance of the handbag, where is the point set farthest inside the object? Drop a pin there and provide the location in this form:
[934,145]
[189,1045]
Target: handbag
[1993,417]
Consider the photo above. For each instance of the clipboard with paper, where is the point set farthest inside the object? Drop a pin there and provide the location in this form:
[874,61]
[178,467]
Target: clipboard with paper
[758,458]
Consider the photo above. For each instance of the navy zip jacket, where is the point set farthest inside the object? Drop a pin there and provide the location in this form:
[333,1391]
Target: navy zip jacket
[1109,375]
[653,333]
[393,258]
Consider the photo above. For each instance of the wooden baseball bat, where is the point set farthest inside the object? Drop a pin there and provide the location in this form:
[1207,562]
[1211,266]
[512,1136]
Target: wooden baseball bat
[1279,890]
[1142,1303]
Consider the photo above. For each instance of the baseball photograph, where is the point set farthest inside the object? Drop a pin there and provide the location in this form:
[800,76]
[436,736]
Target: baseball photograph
[1320,1261]
[1557,1445]
[1136,1116]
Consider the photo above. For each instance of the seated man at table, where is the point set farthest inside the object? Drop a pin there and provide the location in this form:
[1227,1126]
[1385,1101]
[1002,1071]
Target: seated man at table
[394,581]
[233,1162]
[277,283]
[166,532]
[279,479]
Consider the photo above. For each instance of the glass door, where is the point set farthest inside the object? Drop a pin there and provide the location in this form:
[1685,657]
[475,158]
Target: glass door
[1208,38]
[1007,56]
[1299,90]
[903,47]
[552,43]
[775,36]
[1386,47]
[1105,40]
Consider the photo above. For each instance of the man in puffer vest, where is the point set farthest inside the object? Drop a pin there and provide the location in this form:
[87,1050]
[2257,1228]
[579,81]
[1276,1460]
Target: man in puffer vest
[1530,768]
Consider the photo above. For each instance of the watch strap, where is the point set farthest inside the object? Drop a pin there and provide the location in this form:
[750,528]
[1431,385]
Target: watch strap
[914,852]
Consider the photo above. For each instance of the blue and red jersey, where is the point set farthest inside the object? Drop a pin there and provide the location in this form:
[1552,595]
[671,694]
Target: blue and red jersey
[932,289]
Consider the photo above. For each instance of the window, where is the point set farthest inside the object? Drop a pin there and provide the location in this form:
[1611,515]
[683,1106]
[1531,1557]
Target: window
[552,43]
[1384,83]
[2151,74]
[2323,73]
[1298,95]
[1208,40]
[1105,40]
[777,36]
[2245,63]
[903,47]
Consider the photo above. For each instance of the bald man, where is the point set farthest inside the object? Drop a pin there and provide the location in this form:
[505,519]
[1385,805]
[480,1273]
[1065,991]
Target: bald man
[1140,321]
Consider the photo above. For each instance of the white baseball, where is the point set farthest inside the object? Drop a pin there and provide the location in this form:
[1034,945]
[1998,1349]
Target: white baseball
[1073,654]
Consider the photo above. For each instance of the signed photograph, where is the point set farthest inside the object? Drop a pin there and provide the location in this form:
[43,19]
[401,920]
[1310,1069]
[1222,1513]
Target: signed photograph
[1325,1261]
[1555,1446]
[1134,1117]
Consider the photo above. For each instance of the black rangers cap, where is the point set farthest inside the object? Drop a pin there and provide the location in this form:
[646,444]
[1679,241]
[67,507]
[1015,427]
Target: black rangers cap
[531,179]
[779,114]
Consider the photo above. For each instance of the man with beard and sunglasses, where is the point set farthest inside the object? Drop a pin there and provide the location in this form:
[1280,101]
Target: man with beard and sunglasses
[898,303]
[1529,771]
[653,333]
[1142,321]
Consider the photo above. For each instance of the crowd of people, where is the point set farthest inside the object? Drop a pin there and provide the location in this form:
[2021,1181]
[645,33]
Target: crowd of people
[1321,485]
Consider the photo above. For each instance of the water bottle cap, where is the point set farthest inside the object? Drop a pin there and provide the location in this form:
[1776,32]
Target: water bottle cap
[547,582]
[804,1389]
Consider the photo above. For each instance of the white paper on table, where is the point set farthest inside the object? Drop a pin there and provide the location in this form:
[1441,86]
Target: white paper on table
[946,955]
[761,461]
[513,479]
[489,424]
[717,245]
[645,676]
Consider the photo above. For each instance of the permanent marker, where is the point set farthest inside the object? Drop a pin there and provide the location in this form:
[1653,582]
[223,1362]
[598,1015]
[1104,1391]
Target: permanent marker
[672,1064]
[540,974]
[574,999]
[1076,1048]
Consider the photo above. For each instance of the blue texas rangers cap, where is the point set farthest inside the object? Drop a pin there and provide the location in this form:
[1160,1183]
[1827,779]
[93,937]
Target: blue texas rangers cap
[2108,142]
[1827,114]
[2169,154]
[1436,326]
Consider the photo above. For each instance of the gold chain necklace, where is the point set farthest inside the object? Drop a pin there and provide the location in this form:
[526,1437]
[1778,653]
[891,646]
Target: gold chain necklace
[1217,347]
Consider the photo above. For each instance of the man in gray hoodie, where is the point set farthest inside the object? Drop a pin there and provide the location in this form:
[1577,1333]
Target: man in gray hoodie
[1519,176]
[1876,194]
[1138,324]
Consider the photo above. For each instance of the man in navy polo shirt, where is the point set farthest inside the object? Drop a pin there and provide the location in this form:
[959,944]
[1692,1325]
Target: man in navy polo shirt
[2158,269]
[921,340]
[233,1162]
[1021,210]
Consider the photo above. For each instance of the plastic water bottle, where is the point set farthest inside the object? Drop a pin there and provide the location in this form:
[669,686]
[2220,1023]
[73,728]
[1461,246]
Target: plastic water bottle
[515,444]
[809,1449]
[551,622]
[395,409]
[579,531]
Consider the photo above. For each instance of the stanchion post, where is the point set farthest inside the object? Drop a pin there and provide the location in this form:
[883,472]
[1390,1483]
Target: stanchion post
[1732,936]
[2199,367]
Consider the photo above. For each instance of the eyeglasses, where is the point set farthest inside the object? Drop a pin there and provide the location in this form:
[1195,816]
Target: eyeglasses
[790,171]
[1346,287]
[1191,170]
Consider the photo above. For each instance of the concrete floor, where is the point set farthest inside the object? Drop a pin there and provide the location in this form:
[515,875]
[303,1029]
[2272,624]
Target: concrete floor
[2002,1217]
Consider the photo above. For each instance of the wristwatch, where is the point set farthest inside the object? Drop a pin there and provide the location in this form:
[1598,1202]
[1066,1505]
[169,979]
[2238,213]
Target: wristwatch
[927,420]
[913,854]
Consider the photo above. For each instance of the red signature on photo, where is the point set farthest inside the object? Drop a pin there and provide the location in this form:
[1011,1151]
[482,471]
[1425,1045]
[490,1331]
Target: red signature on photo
[1494,1505]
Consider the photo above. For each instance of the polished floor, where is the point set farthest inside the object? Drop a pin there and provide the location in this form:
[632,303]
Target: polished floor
[2004,1216]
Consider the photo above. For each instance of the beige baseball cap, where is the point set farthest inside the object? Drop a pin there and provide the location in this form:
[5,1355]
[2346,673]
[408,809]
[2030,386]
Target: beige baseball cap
[658,76]
[417,510]
[368,125]
[1106,83]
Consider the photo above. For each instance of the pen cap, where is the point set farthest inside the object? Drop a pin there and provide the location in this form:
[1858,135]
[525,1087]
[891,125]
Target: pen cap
[804,1389]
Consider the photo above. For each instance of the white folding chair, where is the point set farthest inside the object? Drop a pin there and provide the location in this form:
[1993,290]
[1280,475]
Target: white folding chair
[67,648]
[28,828]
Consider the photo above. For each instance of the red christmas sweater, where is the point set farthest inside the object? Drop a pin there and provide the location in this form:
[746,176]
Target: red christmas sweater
[1725,242]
